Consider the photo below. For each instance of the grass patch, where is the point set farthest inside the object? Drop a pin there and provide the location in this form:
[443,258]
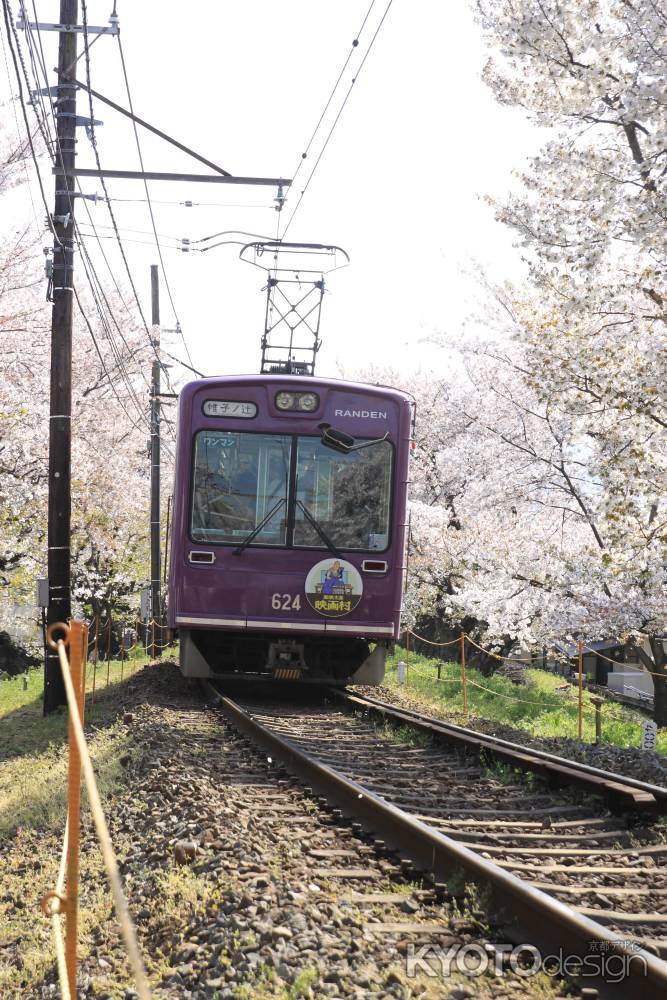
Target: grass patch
[33,773]
[33,787]
[405,735]
[23,727]
[545,706]
[27,950]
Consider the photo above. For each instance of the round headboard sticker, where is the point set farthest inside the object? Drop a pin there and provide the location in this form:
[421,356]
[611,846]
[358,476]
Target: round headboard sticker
[334,587]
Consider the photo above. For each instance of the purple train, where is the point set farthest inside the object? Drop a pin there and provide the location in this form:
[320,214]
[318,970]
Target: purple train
[289,527]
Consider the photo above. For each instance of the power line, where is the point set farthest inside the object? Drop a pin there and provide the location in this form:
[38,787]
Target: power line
[150,207]
[42,63]
[337,118]
[23,143]
[98,296]
[9,26]
[47,141]
[110,382]
[182,363]
[195,204]
[93,142]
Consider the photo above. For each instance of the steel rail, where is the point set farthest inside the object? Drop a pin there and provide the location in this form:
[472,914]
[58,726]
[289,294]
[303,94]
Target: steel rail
[622,792]
[526,914]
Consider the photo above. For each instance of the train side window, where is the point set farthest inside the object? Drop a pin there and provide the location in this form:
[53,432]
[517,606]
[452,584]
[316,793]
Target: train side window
[237,479]
[348,495]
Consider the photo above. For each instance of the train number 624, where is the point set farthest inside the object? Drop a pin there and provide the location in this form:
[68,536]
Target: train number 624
[286,602]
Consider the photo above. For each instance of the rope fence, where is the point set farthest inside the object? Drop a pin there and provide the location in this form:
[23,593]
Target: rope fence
[465,681]
[116,638]
[64,900]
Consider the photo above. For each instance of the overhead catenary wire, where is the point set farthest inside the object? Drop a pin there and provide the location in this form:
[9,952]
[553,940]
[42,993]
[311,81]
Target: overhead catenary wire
[337,119]
[355,43]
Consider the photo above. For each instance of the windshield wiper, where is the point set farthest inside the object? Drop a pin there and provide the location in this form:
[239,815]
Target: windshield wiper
[253,534]
[320,530]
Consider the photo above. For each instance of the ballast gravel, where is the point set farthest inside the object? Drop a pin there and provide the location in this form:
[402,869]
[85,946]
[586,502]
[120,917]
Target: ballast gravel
[242,886]
[644,765]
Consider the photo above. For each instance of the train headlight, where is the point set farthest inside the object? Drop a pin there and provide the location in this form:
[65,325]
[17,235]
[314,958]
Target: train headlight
[285,400]
[307,401]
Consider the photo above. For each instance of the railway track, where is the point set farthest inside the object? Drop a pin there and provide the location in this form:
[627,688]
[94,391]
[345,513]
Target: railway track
[561,870]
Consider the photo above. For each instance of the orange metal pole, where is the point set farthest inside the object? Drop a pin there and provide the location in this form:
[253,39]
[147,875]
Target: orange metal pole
[581,685]
[464,679]
[78,636]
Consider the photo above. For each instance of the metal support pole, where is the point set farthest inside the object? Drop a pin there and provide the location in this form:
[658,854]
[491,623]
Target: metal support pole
[156,604]
[464,679]
[60,419]
[581,687]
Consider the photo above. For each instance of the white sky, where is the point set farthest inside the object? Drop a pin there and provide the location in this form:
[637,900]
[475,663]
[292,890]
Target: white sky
[400,186]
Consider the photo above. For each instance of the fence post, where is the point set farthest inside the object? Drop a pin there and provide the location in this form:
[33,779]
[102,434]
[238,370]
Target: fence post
[97,649]
[77,638]
[598,702]
[581,686]
[108,648]
[407,655]
[464,679]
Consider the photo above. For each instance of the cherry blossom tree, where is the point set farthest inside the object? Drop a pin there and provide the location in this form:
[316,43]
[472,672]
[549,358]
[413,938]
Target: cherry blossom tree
[110,469]
[591,220]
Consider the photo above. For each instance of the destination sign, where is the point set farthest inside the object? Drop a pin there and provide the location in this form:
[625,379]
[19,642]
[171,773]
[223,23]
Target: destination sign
[230,408]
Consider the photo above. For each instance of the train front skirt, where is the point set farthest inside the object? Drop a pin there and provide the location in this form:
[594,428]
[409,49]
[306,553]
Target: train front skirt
[316,659]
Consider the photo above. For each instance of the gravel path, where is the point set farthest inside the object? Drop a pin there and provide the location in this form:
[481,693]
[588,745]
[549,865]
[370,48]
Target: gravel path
[243,886]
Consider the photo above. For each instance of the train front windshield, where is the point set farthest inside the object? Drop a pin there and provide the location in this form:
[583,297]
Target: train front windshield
[245,483]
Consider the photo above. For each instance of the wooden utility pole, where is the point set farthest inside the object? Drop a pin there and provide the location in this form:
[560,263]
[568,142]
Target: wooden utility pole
[156,604]
[60,420]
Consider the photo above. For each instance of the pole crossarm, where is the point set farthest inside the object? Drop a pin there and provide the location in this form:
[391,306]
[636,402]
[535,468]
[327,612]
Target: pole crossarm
[90,29]
[146,125]
[154,175]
